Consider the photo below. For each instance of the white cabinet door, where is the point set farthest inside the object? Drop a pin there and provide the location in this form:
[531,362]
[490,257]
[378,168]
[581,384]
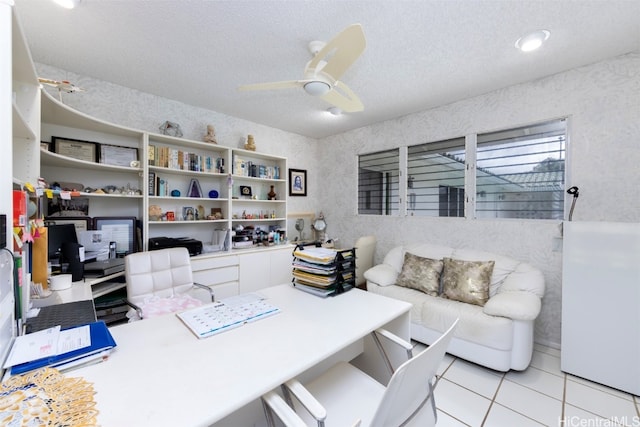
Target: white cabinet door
[281,266]
[261,269]
[255,271]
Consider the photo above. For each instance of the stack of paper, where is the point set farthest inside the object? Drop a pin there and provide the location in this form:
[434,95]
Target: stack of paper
[323,271]
[316,255]
[60,349]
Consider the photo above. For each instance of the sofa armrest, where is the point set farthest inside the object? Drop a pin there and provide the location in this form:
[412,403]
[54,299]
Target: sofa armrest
[517,305]
[382,275]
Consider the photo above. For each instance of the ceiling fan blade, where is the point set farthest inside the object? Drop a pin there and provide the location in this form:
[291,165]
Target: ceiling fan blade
[344,98]
[340,52]
[273,85]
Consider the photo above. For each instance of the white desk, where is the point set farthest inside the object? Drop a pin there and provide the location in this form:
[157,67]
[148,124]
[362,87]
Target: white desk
[162,375]
[89,288]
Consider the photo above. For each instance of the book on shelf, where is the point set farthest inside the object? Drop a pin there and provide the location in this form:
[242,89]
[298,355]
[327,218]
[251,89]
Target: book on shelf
[151,187]
[151,156]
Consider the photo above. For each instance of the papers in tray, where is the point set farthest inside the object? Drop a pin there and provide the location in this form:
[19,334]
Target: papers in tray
[60,349]
[226,314]
[316,255]
[321,292]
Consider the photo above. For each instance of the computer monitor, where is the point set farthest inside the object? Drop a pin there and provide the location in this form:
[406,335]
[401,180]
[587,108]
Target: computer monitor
[123,231]
[57,234]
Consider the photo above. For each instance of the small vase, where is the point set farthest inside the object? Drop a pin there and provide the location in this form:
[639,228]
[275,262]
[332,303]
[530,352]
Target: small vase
[271,194]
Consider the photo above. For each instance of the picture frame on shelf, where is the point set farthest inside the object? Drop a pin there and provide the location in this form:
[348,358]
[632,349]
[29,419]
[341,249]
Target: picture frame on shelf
[67,207]
[118,155]
[75,148]
[188,213]
[245,191]
[194,189]
[297,182]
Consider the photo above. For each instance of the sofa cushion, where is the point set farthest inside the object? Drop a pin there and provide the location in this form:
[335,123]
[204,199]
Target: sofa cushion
[422,274]
[502,268]
[412,296]
[475,325]
[467,281]
[381,274]
[438,313]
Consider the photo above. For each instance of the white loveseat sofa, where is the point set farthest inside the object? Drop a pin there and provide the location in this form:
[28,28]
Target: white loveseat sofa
[498,334]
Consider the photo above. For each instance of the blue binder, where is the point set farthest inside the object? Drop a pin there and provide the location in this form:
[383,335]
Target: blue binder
[101,343]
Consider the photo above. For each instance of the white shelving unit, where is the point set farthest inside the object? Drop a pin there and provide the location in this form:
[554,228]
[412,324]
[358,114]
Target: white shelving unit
[19,163]
[58,120]
[37,116]
[214,175]
[218,182]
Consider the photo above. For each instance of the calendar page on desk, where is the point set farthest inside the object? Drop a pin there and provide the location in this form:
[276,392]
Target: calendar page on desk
[227,314]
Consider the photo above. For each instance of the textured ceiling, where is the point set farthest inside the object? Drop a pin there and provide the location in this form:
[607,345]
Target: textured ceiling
[419,54]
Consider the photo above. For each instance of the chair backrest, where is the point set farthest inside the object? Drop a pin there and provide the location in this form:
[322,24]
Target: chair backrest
[409,388]
[365,250]
[163,273]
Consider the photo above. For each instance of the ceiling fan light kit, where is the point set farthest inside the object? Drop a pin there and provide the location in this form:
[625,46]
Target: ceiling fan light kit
[334,111]
[322,74]
[533,40]
[317,88]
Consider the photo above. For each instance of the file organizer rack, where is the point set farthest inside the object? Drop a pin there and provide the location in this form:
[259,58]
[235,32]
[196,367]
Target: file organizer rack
[324,272]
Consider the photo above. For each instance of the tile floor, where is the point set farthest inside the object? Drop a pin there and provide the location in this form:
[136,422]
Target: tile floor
[470,395]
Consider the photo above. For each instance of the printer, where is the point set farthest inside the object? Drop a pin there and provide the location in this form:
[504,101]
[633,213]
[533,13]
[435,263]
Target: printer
[193,246]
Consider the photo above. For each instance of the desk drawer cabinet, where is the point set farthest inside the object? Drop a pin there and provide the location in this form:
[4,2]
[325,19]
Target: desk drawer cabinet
[219,273]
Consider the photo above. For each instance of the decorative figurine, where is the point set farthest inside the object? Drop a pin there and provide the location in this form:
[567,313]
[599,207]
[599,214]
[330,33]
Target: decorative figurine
[271,194]
[210,137]
[155,213]
[250,144]
[171,129]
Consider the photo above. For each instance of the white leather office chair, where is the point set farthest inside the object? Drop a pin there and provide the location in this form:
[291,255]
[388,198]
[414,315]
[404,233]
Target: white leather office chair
[163,273]
[346,396]
[365,250]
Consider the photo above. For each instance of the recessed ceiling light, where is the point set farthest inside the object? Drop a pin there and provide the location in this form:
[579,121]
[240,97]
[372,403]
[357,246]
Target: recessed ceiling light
[67,4]
[335,111]
[533,40]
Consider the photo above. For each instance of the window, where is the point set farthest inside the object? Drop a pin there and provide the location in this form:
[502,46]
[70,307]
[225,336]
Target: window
[378,183]
[520,172]
[435,178]
[513,173]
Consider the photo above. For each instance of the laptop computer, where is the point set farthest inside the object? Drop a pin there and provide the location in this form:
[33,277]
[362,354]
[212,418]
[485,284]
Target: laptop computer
[105,267]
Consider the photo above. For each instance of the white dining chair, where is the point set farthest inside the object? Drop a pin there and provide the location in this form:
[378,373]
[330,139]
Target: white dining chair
[346,396]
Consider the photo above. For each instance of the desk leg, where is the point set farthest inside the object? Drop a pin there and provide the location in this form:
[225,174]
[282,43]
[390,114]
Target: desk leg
[372,362]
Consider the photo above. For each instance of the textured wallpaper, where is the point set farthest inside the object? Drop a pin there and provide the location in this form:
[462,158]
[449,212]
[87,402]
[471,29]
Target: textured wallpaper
[602,102]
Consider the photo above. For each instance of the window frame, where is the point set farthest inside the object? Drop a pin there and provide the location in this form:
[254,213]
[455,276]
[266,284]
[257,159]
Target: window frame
[470,178]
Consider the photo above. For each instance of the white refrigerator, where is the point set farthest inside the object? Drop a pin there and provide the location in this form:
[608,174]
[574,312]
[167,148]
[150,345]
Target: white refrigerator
[601,303]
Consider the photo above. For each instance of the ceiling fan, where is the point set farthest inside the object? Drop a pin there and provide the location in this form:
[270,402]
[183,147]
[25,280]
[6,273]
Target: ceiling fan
[322,74]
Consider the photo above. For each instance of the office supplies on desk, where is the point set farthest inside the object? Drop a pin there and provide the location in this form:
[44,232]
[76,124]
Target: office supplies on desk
[324,272]
[105,267]
[67,315]
[226,314]
[62,350]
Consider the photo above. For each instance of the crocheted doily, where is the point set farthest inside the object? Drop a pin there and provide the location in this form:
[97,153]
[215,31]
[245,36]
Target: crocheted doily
[45,397]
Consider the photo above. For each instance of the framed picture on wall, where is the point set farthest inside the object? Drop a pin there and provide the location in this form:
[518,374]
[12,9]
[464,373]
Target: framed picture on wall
[297,182]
